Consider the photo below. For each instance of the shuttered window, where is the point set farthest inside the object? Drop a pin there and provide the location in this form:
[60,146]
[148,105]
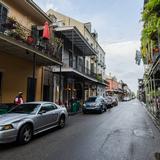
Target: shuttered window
[3,15]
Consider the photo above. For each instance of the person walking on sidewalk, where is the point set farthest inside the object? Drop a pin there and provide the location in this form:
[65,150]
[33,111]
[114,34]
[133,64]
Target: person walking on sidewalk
[158,103]
[19,99]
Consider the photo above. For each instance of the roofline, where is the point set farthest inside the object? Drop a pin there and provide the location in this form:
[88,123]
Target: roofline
[82,24]
[94,39]
[34,5]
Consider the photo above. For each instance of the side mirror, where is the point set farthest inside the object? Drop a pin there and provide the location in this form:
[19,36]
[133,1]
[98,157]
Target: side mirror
[42,112]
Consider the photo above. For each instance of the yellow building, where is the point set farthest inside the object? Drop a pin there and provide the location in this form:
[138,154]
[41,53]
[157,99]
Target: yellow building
[24,51]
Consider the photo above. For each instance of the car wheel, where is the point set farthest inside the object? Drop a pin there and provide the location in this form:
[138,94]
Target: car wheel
[101,110]
[25,134]
[62,122]
[84,112]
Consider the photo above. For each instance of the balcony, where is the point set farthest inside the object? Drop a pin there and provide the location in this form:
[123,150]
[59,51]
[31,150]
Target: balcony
[80,72]
[72,34]
[17,40]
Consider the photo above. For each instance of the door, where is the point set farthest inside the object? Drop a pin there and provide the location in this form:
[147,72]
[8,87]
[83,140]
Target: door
[0,87]
[31,89]
[46,91]
[47,117]
[70,59]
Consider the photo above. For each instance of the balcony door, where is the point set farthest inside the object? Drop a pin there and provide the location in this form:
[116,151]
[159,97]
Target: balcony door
[70,59]
[3,16]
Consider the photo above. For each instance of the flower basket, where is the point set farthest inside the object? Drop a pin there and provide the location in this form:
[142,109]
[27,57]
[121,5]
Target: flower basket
[30,40]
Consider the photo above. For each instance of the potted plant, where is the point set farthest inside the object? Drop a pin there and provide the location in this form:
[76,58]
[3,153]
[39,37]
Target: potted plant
[10,23]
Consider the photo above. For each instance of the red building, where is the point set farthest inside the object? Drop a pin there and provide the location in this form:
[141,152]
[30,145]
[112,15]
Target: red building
[113,84]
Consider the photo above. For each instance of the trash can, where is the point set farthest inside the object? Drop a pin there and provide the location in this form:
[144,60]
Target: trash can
[74,107]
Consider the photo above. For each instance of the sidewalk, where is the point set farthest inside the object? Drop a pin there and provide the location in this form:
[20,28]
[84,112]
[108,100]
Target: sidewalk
[74,113]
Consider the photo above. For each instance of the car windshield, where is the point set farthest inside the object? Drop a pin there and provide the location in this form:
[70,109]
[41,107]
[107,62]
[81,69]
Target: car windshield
[91,99]
[25,109]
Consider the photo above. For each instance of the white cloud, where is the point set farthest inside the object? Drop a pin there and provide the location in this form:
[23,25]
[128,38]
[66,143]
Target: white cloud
[120,59]
[60,5]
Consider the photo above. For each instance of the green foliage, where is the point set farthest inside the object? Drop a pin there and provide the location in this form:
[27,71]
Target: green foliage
[152,7]
[151,19]
[57,41]
[154,93]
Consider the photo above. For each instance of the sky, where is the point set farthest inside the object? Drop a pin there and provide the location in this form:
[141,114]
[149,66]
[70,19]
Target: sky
[118,24]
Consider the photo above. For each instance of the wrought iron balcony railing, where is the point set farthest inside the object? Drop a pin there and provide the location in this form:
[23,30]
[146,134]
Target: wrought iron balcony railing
[14,30]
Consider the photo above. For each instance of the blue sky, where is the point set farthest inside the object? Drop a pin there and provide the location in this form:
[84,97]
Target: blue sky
[119,28]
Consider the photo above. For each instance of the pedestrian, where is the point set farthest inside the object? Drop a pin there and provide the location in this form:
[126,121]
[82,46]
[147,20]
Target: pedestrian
[158,103]
[19,99]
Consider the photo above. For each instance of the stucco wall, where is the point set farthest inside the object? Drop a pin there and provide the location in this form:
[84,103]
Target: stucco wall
[15,72]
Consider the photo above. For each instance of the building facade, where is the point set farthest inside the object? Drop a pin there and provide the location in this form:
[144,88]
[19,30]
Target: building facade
[25,53]
[151,54]
[83,70]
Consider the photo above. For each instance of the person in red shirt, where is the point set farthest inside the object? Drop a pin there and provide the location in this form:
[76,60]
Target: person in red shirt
[19,99]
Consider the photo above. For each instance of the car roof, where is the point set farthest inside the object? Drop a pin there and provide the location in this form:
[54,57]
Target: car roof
[38,102]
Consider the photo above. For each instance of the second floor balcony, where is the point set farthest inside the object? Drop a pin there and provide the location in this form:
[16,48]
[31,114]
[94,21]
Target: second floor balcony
[20,41]
[73,69]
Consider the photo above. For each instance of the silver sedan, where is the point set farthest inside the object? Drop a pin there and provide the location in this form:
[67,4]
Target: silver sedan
[29,119]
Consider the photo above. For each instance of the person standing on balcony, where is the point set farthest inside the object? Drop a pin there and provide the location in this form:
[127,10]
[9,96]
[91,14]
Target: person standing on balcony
[19,99]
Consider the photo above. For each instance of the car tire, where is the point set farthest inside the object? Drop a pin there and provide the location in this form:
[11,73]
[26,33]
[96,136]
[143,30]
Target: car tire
[84,112]
[25,134]
[101,110]
[61,122]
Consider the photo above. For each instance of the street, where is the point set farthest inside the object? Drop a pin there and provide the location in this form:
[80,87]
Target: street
[125,132]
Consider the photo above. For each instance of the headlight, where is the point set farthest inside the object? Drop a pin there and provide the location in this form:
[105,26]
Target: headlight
[6,127]
[84,105]
[96,105]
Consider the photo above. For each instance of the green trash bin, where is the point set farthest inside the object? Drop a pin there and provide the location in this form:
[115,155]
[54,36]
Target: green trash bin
[74,107]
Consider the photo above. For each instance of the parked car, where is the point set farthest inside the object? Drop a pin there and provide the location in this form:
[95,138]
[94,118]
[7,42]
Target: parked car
[114,101]
[26,120]
[95,104]
[109,101]
[126,99]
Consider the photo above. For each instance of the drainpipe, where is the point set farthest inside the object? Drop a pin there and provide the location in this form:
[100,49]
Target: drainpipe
[60,85]
[34,71]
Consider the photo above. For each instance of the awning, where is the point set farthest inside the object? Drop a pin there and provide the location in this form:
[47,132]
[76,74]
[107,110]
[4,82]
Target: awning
[70,72]
[73,34]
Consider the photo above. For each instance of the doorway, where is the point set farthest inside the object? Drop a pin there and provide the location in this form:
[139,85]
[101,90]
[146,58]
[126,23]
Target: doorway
[31,89]
[46,91]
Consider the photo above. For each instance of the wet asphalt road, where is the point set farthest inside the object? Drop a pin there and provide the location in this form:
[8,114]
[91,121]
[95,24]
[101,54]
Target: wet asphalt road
[124,133]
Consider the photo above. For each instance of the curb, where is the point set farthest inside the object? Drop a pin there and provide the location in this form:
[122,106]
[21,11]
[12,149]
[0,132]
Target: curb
[74,113]
[155,121]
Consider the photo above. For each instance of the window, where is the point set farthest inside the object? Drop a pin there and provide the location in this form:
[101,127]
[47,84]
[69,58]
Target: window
[3,15]
[48,107]
[25,109]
